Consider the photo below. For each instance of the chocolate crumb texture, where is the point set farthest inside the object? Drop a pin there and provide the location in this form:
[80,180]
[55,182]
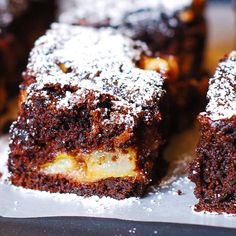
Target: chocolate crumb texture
[214,169]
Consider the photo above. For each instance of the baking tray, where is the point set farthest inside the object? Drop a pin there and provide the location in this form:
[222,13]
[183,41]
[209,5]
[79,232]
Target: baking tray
[161,212]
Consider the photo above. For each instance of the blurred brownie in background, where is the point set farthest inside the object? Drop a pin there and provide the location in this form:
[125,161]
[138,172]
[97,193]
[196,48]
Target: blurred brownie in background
[21,23]
[173,30]
[167,27]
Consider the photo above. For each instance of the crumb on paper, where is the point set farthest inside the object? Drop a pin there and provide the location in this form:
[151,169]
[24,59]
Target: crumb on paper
[179,192]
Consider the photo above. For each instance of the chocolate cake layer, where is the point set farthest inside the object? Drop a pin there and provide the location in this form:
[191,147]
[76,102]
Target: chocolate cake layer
[214,169]
[90,121]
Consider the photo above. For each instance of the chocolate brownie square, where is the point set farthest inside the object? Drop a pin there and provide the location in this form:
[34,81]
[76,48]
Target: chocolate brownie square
[90,121]
[214,169]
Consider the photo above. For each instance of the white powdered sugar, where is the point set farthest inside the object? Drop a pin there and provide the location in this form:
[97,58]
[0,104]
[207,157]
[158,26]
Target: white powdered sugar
[115,12]
[97,61]
[222,90]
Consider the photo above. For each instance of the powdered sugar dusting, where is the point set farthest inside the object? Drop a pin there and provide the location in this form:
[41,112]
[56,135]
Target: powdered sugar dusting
[222,90]
[97,61]
[115,12]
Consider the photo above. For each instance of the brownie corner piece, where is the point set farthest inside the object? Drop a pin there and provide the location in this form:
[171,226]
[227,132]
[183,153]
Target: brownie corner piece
[214,169]
[90,121]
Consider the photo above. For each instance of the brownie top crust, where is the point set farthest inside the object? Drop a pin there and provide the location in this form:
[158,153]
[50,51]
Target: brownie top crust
[9,9]
[84,61]
[115,13]
[222,90]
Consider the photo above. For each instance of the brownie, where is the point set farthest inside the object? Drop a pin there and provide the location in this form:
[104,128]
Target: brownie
[176,28]
[21,22]
[170,29]
[214,169]
[90,122]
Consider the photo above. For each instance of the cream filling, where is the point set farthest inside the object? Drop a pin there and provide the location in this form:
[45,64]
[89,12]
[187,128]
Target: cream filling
[94,166]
